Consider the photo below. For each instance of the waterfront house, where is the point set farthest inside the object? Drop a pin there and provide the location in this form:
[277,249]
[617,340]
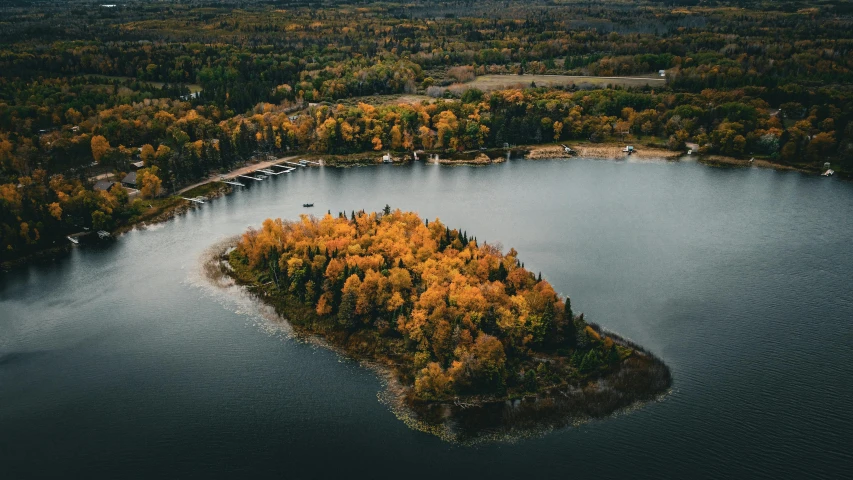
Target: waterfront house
[129,180]
[103,185]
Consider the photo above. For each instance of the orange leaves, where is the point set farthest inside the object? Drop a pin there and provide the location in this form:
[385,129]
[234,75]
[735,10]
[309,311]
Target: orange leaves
[433,382]
[433,284]
[100,147]
[150,185]
[9,193]
[55,210]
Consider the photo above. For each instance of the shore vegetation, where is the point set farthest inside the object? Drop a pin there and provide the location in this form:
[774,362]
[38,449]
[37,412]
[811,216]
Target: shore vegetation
[456,321]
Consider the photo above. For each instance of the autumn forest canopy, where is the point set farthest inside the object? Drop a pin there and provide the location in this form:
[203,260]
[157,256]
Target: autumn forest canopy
[455,317]
[178,91]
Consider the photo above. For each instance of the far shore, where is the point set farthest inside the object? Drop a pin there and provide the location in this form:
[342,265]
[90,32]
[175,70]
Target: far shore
[212,187]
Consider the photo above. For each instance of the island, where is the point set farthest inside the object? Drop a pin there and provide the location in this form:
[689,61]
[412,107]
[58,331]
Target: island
[473,345]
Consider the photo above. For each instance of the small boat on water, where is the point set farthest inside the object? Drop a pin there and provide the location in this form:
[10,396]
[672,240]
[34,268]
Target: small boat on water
[828,173]
[73,240]
[307,204]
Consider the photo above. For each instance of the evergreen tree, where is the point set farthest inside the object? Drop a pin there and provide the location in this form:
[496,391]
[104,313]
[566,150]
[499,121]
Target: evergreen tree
[346,310]
[591,361]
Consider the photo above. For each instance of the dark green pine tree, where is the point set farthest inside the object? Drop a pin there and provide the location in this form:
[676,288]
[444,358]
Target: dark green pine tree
[346,311]
[570,331]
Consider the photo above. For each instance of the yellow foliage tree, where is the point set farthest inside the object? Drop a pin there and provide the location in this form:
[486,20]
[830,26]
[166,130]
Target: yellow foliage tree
[100,147]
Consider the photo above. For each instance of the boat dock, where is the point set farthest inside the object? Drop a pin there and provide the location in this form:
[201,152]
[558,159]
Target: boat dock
[286,169]
[250,177]
[195,200]
[295,164]
[231,182]
[269,172]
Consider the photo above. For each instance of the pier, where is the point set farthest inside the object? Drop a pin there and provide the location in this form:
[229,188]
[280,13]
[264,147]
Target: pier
[295,164]
[250,177]
[231,182]
[286,169]
[195,200]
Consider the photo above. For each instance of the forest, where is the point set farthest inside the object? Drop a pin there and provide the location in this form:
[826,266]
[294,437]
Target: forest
[455,317]
[189,89]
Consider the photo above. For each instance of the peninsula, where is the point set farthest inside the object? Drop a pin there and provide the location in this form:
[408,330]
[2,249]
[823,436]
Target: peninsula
[463,331]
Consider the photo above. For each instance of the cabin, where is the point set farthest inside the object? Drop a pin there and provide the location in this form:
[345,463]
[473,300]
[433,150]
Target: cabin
[662,73]
[386,158]
[103,185]
[629,149]
[129,180]
[138,165]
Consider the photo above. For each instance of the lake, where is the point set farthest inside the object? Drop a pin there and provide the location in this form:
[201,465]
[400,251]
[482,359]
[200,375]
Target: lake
[122,361]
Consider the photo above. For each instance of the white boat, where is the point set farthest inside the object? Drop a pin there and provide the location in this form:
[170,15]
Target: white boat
[829,173]
[73,240]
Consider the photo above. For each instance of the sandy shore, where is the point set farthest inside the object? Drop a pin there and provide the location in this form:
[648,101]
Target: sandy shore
[736,162]
[609,151]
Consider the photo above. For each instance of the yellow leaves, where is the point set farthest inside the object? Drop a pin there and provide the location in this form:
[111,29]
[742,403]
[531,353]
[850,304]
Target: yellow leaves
[147,153]
[162,152]
[324,305]
[369,111]
[100,147]
[164,117]
[433,383]
[396,301]
[294,264]
[150,185]
[396,137]
[392,268]
[347,131]
[377,143]
[55,210]
[9,193]
[592,333]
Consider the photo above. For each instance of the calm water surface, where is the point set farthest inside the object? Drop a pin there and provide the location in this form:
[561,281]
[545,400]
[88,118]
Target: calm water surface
[120,361]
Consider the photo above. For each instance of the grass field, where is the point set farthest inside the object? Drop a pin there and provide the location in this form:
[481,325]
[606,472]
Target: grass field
[497,82]
[194,88]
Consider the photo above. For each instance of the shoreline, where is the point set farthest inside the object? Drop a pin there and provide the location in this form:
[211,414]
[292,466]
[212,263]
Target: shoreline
[643,378]
[599,151]
[583,150]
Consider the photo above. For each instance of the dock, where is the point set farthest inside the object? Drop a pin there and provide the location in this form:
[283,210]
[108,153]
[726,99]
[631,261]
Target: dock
[286,169]
[311,161]
[195,200]
[250,177]
[269,172]
[73,240]
[231,182]
[295,164]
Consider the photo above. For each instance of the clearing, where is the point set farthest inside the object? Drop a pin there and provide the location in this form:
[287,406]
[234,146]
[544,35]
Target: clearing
[499,82]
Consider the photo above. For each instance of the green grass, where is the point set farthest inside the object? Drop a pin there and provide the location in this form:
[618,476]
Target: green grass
[498,82]
[194,87]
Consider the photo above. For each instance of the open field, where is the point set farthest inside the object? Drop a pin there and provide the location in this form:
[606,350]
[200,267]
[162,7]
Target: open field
[498,82]
[194,87]
[393,99]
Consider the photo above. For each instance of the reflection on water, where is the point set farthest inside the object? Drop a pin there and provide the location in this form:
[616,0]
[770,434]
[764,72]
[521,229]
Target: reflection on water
[122,359]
